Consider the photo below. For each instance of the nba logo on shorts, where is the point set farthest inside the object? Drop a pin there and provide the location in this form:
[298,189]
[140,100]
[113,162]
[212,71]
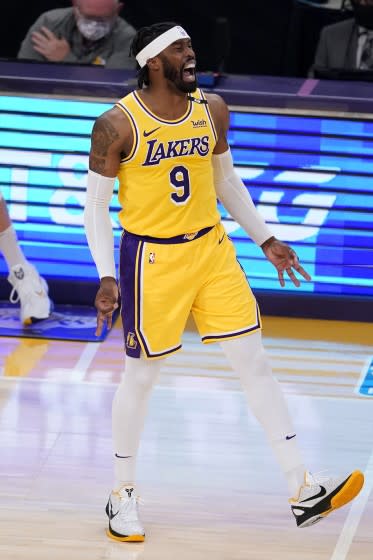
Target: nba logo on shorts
[151,258]
[131,340]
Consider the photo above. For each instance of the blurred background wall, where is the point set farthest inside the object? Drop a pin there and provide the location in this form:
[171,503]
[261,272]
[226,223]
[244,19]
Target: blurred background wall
[269,37]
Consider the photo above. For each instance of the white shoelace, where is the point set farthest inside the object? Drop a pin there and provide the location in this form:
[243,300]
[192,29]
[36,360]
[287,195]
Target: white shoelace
[13,299]
[317,478]
[128,508]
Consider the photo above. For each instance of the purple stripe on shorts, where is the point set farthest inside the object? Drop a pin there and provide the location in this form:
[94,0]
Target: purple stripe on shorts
[128,251]
[129,275]
[237,333]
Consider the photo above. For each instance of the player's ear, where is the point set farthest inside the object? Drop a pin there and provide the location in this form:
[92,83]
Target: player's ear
[154,63]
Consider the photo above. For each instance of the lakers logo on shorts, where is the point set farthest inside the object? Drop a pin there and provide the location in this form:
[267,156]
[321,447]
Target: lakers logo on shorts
[190,236]
[131,340]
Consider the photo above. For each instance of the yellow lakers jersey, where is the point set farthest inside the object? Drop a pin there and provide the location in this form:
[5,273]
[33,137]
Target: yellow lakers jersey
[166,182]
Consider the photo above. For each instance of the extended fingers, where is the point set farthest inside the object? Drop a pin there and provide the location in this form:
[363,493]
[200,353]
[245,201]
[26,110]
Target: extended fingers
[294,263]
[103,318]
[48,33]
[280,274]
[39,40]
[37,36]
[292,277]
[284,258]
[100,323]
[105,309]
[302,272]
[41,50]
[44,35]
[294,259]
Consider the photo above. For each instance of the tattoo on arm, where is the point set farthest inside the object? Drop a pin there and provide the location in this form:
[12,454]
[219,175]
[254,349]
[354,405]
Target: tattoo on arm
[97,164]
[103,135]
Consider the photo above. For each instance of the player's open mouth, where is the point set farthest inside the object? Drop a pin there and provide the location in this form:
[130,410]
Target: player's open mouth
[189,72]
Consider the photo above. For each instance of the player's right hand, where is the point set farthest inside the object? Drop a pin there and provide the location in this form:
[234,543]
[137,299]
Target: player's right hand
[106,302]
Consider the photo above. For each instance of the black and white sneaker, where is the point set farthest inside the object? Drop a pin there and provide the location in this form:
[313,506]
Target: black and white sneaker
[121,509]
[320,496]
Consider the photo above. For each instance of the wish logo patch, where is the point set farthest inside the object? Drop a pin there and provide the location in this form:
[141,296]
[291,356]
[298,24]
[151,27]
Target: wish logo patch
[201,123]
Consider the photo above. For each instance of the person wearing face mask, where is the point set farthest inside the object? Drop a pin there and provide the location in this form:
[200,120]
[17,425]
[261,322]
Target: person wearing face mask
[89,32]
[348,44]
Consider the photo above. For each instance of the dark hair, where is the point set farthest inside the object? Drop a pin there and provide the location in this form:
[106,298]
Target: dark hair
[143,37]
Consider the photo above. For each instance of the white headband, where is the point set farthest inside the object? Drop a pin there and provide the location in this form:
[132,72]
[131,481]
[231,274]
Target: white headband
[161,42]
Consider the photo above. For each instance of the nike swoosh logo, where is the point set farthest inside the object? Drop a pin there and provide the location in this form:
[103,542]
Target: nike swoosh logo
[220,240]
[319,495]
[290,437]
[111,514]
[149,132]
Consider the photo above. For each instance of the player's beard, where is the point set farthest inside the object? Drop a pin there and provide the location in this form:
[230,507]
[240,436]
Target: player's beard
[176,77]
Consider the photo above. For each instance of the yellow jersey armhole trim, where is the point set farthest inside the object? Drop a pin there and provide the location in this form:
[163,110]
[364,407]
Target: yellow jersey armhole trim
[134,132]
[209,116]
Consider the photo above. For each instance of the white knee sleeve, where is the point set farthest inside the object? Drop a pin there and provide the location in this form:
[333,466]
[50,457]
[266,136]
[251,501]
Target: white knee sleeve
[266,400]
[249,360]
[129,411]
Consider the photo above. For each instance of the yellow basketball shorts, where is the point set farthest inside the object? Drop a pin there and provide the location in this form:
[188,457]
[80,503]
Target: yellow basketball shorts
[163,280]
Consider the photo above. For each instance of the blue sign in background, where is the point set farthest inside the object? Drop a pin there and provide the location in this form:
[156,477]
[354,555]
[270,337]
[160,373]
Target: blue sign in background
[366,382]
[310,177]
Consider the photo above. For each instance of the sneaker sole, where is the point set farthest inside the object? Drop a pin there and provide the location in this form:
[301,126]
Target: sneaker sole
[32,320]
[347,493]
[130,538]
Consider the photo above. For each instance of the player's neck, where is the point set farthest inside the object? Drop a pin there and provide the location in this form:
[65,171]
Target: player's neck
[165,103]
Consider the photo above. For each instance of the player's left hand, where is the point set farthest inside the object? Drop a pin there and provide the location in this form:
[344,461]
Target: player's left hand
[51,47]
[284,258]
[106,302]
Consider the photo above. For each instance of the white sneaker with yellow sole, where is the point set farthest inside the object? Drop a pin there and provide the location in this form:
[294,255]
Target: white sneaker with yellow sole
[320,496]
[122,511]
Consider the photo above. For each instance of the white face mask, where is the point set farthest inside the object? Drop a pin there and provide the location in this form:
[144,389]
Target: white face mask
[93,30]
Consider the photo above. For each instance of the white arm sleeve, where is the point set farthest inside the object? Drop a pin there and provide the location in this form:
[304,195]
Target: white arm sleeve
[97,222]
[233,194]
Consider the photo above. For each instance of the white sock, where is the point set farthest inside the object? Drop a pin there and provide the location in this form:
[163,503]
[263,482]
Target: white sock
[295,479]
[128,415]
[266,400]
[118,484]
[10,248]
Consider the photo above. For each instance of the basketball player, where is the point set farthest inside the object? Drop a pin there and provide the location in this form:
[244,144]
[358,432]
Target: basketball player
[29,288]
[167,144]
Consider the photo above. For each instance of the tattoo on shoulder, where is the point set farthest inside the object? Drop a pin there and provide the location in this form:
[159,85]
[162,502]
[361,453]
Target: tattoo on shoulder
[104,134]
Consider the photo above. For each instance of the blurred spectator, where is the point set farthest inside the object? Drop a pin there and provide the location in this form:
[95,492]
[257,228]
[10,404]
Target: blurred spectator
[348,44]
[89,32]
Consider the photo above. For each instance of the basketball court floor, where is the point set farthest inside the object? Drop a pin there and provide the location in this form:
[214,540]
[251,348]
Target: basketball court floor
[207,478]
